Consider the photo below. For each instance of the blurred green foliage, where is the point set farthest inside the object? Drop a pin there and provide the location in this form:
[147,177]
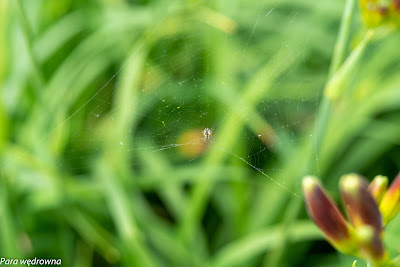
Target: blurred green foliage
[96,93]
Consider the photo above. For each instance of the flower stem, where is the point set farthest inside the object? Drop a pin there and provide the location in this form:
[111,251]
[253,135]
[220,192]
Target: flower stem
[340,70]
[343,38]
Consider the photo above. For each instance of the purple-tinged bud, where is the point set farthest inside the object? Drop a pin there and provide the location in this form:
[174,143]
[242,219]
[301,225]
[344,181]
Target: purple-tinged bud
[396,5]
[371,244]
[390,204]
[326,215]
[378,187]
[360,205]
[377,13]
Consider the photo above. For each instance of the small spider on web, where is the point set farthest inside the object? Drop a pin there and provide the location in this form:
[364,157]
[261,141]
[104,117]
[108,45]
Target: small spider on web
[207,134]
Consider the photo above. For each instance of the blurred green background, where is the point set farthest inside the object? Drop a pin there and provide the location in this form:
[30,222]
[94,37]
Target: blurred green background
[103,104]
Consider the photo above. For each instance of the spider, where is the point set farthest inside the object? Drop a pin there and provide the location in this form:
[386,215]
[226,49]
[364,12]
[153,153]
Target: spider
[207,134]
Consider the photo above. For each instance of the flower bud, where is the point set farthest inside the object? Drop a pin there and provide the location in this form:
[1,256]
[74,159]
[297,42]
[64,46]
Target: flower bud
[324,212]
[360,205]
[371,244]
[378,187]
[390,204]
[377,13]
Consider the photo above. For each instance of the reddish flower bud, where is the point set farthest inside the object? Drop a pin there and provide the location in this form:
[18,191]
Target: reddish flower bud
[324,212]
[390,204]
[360,205]
[371,244]
[378,187]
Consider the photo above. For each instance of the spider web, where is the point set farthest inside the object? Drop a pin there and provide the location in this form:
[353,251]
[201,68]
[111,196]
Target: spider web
[195,79]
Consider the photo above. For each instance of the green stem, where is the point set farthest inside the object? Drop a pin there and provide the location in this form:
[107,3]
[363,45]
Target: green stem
[37,71]
[238,252]
[337,60]
[7,224]
[340,71]
[343,38]
[321,126]
[336,86]
[290,217]
[337,83]
[133,247]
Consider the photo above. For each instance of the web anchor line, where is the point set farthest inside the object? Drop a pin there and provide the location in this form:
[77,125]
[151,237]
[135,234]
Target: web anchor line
[263,173]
